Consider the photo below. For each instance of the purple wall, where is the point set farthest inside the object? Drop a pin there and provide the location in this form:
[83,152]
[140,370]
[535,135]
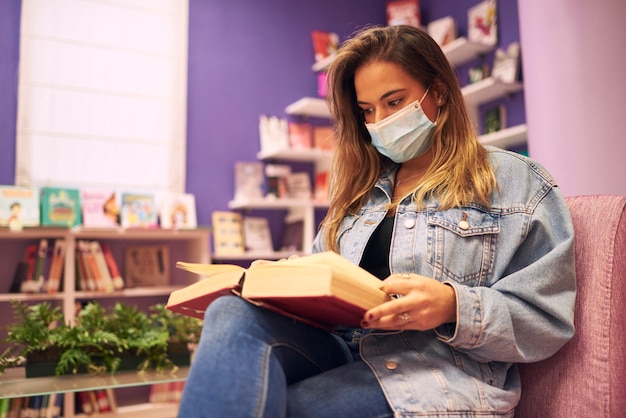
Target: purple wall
[246,58]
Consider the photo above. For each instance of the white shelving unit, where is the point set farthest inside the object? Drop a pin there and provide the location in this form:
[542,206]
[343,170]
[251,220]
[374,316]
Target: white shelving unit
[187,245]
[461,50]
[309,106]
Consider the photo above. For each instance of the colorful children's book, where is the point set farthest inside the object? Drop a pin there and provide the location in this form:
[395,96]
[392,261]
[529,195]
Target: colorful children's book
[325,44]
[227,233]
[60,207]
[139,211]
[19,207]
[100,208]
[404,12]
[178,211]
[482,24]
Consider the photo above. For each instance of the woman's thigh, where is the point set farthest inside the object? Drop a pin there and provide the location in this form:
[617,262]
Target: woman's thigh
[350,390]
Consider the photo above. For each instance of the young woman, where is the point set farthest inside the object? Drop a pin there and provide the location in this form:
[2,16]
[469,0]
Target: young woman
[478,242]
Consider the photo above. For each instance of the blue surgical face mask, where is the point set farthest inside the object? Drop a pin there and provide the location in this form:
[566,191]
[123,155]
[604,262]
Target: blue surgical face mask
[403,135]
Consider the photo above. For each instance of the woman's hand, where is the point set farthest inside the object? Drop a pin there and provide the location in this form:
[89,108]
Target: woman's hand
[424,304]
[257,263]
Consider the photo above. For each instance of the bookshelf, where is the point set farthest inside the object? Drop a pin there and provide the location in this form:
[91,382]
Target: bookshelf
[189,245]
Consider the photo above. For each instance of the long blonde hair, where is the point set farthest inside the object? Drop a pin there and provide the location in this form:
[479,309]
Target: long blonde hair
[459,174]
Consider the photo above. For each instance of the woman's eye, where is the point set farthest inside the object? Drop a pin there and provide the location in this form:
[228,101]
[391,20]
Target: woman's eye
[394,103]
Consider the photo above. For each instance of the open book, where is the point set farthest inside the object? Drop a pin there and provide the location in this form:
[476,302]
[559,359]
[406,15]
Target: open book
[322,289]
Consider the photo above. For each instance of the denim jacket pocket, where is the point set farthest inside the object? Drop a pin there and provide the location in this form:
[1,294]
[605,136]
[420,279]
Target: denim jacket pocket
[462,244]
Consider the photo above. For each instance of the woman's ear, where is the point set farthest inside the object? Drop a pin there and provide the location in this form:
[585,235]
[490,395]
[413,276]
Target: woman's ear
[440,92]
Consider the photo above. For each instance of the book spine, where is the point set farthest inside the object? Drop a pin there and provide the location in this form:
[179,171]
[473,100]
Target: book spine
[118,281]
[100,264]
[56,266]
[35,283]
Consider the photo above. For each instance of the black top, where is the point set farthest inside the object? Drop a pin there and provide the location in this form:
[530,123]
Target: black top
[376,256]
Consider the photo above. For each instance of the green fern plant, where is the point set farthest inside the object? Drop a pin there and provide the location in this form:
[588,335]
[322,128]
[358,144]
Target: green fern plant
[99,339]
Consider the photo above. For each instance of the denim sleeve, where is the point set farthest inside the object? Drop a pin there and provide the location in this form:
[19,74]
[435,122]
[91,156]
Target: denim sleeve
[527,314]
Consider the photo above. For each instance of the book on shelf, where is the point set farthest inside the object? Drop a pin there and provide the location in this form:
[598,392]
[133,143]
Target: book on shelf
[227,233]
[299,185]
[257,235]
[19,207]
[34,283]
[138,210]
[147,265]
[178,211]
[506,63]
[324,138]
[325,44]
[55,273]
[322,289]
[114,270]
[104,277]
[494,119]
[482,23]
[248,180]
[276,177]
[101,208]
[166,392]
[97,277]
[321,191]
[300,135]
[442,30]
[60,206]
[292,235]
[404,12]
[273,133]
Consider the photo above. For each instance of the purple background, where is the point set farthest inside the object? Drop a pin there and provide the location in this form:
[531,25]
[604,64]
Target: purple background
[246,58]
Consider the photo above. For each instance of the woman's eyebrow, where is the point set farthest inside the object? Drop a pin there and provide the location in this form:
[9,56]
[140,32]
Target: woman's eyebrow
[383,97]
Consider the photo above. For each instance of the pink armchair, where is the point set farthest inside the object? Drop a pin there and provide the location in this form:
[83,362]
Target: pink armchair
[587,377]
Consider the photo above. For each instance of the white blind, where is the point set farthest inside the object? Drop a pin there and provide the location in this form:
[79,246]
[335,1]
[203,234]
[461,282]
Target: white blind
[102,94]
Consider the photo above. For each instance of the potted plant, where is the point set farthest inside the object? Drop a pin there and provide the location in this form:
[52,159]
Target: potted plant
[99,341]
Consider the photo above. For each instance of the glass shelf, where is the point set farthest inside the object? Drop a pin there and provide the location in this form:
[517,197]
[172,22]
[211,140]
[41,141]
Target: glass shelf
[14,384]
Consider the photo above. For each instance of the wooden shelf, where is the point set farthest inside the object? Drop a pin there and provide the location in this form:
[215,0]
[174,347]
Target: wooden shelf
[489,89]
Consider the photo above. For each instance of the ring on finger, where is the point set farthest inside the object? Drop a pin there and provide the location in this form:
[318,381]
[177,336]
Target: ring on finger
[405,317]
[403,275]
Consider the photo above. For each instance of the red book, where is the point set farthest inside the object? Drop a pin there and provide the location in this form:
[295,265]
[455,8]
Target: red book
[322,289]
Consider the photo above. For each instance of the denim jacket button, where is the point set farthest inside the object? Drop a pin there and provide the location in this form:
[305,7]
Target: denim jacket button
[464,225]
[409,223]
[391,365]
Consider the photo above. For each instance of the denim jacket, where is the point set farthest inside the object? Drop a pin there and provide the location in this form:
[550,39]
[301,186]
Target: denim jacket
[512,267]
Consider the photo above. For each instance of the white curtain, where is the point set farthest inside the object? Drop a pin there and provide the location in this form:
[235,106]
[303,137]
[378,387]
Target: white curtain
[102,94]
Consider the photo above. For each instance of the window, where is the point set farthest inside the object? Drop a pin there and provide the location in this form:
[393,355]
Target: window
[102,94]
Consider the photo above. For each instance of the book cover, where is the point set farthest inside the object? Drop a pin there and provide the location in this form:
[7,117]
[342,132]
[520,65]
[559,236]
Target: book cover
[273,133]
[60,207]
[325,44]
[322,289]
[248,180]
[443,30]
[299,185]
[404,12]
[324,138]
[257,235]
[494,119]
[300,135]
[227,233]
[147,265]
[178,211]
[19,207]
[482,24]
[506,63]
[292,235]
[138,211]
[100,208]
[276,175]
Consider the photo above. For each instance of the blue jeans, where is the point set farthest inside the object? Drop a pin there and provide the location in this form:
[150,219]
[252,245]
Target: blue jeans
[252,362]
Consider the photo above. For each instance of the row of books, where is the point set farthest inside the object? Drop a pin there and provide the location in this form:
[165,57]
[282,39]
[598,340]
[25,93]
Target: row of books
[277,134]
[235,234]
[41,269]
[255,179]
[93,208]
[167,392]
[94,402]
[39,406]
